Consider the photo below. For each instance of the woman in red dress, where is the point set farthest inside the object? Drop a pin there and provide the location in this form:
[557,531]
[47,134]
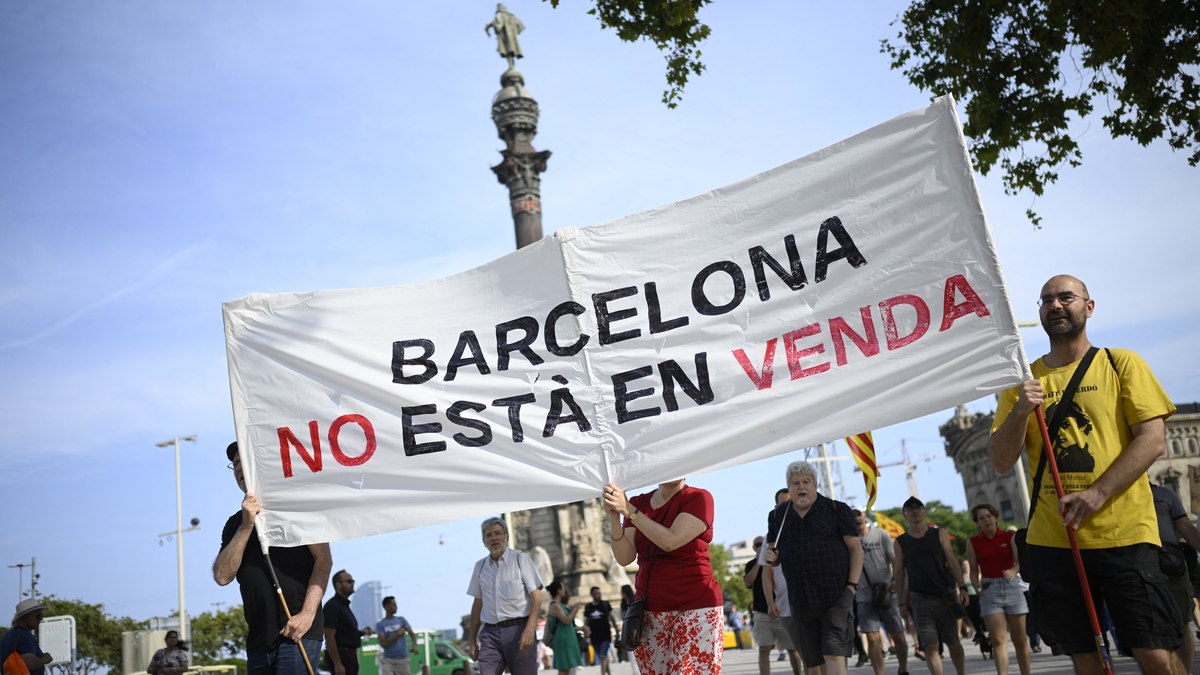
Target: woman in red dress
[668,532]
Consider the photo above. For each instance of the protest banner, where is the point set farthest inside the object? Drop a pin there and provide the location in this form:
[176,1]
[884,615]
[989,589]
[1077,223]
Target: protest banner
[851,289]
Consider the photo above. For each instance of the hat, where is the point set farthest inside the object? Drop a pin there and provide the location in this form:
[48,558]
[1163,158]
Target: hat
[27,607]
[912,504]
[232,451]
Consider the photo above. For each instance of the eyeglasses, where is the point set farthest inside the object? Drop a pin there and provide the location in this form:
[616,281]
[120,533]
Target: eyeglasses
[347,581]
[758,544]
[1063,299]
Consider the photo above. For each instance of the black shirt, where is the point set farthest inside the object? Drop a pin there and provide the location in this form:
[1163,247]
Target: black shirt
[339,617]
[598,621]
[760,596]
[925,563]
[260,603]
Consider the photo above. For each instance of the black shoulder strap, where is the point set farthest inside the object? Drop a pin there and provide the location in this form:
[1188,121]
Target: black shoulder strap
[644,592]
[1060,414]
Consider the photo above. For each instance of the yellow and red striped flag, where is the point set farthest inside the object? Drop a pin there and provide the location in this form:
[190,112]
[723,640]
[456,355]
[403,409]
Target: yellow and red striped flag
[893,528]
[862,446]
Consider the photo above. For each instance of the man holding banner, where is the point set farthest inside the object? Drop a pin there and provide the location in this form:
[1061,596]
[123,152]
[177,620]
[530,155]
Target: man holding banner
[508,597]
[302,571]
[1111,431]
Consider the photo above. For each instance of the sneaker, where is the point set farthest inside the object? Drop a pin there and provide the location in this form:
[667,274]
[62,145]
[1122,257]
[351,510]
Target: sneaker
[862,658]
[782,656]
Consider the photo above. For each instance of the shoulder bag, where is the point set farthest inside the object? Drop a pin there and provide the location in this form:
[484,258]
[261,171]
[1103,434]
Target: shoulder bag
[881,594]
[633,625]
[548,631]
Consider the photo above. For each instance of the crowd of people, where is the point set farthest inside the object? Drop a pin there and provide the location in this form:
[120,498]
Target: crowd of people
[822,576]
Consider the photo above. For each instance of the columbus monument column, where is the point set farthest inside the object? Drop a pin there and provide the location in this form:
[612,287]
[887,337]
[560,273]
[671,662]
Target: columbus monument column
[515,113]
[569,542]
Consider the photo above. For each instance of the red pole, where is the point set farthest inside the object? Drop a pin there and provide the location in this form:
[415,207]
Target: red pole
[1048,449]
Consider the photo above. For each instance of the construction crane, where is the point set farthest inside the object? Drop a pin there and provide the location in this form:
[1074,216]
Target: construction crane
[827,461]
[910,468]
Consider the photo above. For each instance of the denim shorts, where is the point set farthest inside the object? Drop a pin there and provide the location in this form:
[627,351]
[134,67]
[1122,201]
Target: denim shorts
[870,618]
[1002,596]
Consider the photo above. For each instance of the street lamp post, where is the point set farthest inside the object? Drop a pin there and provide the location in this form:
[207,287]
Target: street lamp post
[183,631]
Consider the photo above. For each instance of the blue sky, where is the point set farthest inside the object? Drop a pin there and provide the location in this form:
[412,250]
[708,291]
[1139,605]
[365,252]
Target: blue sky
[157,159]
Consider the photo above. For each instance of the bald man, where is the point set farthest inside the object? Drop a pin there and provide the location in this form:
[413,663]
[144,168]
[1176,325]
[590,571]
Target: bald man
[1111,433]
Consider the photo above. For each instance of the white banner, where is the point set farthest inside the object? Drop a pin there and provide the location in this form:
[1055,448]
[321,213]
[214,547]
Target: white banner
[846,291]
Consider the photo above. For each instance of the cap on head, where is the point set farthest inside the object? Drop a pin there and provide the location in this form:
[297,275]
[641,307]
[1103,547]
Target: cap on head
[231,452]
[912,504]
[27,607]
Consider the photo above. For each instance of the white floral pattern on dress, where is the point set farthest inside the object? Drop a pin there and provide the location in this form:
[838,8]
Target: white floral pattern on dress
[688,642]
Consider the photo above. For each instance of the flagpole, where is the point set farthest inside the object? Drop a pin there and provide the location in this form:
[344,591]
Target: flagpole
[287,612]
[828,472]
[1080,571]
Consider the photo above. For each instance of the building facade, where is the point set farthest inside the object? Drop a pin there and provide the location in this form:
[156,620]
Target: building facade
[966,436]
[569,543]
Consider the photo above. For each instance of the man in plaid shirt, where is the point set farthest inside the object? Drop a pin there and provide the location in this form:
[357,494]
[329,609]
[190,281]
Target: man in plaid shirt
[816,541]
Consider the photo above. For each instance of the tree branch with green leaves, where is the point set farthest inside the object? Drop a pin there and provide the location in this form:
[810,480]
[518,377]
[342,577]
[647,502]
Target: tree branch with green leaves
[1026,71]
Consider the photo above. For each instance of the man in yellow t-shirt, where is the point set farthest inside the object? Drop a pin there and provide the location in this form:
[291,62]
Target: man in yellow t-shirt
[1111,435]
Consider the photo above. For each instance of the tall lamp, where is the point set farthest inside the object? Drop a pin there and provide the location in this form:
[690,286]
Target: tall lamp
[183,630]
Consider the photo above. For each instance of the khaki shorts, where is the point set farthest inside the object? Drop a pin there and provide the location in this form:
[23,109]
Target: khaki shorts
[394,666]
[769,633]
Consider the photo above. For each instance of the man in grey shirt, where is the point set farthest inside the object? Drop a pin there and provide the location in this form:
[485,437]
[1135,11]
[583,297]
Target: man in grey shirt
[877,569]
[508,595]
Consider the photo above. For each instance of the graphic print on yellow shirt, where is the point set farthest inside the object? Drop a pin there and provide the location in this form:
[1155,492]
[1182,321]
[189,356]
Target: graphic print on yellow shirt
[1113,396]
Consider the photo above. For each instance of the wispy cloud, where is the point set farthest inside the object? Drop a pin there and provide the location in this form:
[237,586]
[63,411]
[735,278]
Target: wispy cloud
[157,272]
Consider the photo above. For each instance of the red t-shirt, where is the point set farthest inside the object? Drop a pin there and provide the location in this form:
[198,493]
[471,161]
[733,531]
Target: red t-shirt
[681,579]
[993,555]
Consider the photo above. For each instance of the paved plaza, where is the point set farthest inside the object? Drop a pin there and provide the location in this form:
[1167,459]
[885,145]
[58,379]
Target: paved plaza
[745,662]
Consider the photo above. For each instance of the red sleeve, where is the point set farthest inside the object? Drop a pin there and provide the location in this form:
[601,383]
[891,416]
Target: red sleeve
[699,503]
